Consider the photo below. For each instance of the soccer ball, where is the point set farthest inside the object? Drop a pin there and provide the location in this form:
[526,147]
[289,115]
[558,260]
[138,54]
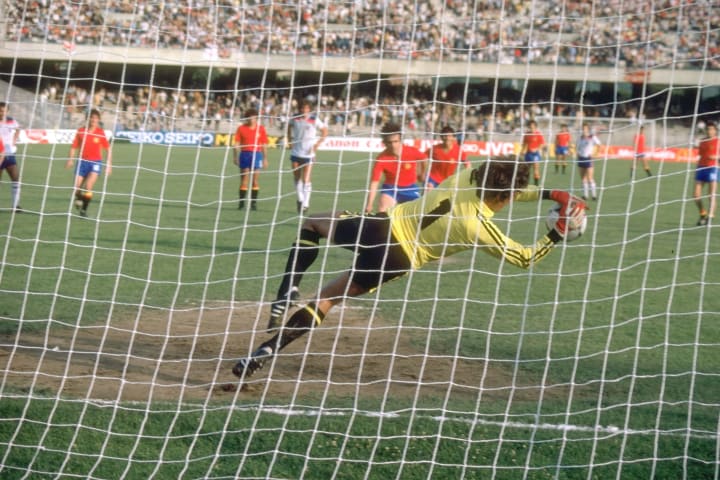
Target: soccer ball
[573,231]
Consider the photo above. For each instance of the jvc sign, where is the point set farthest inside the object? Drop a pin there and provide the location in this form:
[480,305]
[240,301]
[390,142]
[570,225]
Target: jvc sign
[489,149]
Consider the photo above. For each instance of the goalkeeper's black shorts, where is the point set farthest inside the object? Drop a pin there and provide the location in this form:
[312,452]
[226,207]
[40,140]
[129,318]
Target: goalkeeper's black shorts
[379,257]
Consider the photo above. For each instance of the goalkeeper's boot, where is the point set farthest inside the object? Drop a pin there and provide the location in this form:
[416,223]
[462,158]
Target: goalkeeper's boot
[247,366]
[703,220]
[280,306]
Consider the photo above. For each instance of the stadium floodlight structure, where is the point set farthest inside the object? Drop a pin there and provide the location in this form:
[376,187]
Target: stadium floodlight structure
[118,332]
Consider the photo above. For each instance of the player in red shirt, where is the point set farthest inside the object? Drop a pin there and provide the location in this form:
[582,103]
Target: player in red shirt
[444,158]
[707,173]
[251,156]
[398,165]
[640,153]
[562,147]
[532,144]
[91,142]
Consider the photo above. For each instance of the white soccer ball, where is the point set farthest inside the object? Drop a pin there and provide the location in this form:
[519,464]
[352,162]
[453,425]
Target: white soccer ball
[574,230]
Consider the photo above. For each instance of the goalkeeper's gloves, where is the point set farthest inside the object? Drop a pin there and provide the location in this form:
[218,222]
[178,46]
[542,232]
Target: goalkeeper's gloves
[564,198]
[571,214]
[571,217]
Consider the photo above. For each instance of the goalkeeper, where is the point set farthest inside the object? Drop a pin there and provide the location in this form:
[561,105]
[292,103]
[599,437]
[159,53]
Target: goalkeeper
[455,216]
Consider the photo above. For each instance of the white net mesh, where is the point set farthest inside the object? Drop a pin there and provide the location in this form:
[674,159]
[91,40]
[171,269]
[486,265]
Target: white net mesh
[119,330]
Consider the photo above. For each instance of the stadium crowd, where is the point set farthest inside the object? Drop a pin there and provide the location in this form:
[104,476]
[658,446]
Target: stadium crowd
[637,34]
[163,109]
[683,34]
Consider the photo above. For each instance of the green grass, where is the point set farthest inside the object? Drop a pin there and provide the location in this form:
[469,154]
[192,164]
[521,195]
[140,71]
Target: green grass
[619,328]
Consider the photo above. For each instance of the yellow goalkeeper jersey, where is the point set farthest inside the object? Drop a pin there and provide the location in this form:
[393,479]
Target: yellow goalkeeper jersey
[451,218]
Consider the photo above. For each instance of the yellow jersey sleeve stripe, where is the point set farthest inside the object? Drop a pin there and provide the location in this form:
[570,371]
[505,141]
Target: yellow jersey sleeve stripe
[516,254]
[501,241]
[546,245]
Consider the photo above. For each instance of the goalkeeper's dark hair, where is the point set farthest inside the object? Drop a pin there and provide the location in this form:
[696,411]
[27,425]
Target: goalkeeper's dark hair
[500,179]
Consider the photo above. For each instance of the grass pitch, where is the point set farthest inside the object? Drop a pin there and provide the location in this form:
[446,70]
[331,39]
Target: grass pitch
[608,346]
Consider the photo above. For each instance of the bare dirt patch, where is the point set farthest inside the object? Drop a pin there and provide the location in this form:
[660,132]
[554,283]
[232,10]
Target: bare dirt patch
[188,356]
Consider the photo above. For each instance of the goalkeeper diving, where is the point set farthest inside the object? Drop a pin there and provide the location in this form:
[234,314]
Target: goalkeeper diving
[454,217]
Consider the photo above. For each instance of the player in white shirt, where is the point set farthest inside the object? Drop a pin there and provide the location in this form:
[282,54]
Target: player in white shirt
[585,149]
[9,133]
[307,133]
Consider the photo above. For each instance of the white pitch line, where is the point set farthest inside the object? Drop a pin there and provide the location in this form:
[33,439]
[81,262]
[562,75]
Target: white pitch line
[563,427]
[609,429]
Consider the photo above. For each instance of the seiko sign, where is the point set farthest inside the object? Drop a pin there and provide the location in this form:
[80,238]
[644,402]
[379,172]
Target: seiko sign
[168,138]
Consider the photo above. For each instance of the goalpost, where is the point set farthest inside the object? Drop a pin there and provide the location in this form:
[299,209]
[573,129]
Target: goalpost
[119,331]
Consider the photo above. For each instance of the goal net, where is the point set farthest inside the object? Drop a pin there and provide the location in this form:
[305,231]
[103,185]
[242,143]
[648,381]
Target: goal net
[125,307]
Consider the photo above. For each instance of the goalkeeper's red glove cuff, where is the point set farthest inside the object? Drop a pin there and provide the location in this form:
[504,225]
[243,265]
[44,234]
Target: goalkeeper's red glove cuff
[564,198]
[560,196]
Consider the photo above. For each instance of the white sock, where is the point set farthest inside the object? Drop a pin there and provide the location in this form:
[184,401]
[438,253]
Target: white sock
[585,189]
[15,194]
[300,189]
[307,192]
[593,189]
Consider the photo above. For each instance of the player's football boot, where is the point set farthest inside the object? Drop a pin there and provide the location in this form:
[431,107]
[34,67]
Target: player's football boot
[247,366]
[280,306]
